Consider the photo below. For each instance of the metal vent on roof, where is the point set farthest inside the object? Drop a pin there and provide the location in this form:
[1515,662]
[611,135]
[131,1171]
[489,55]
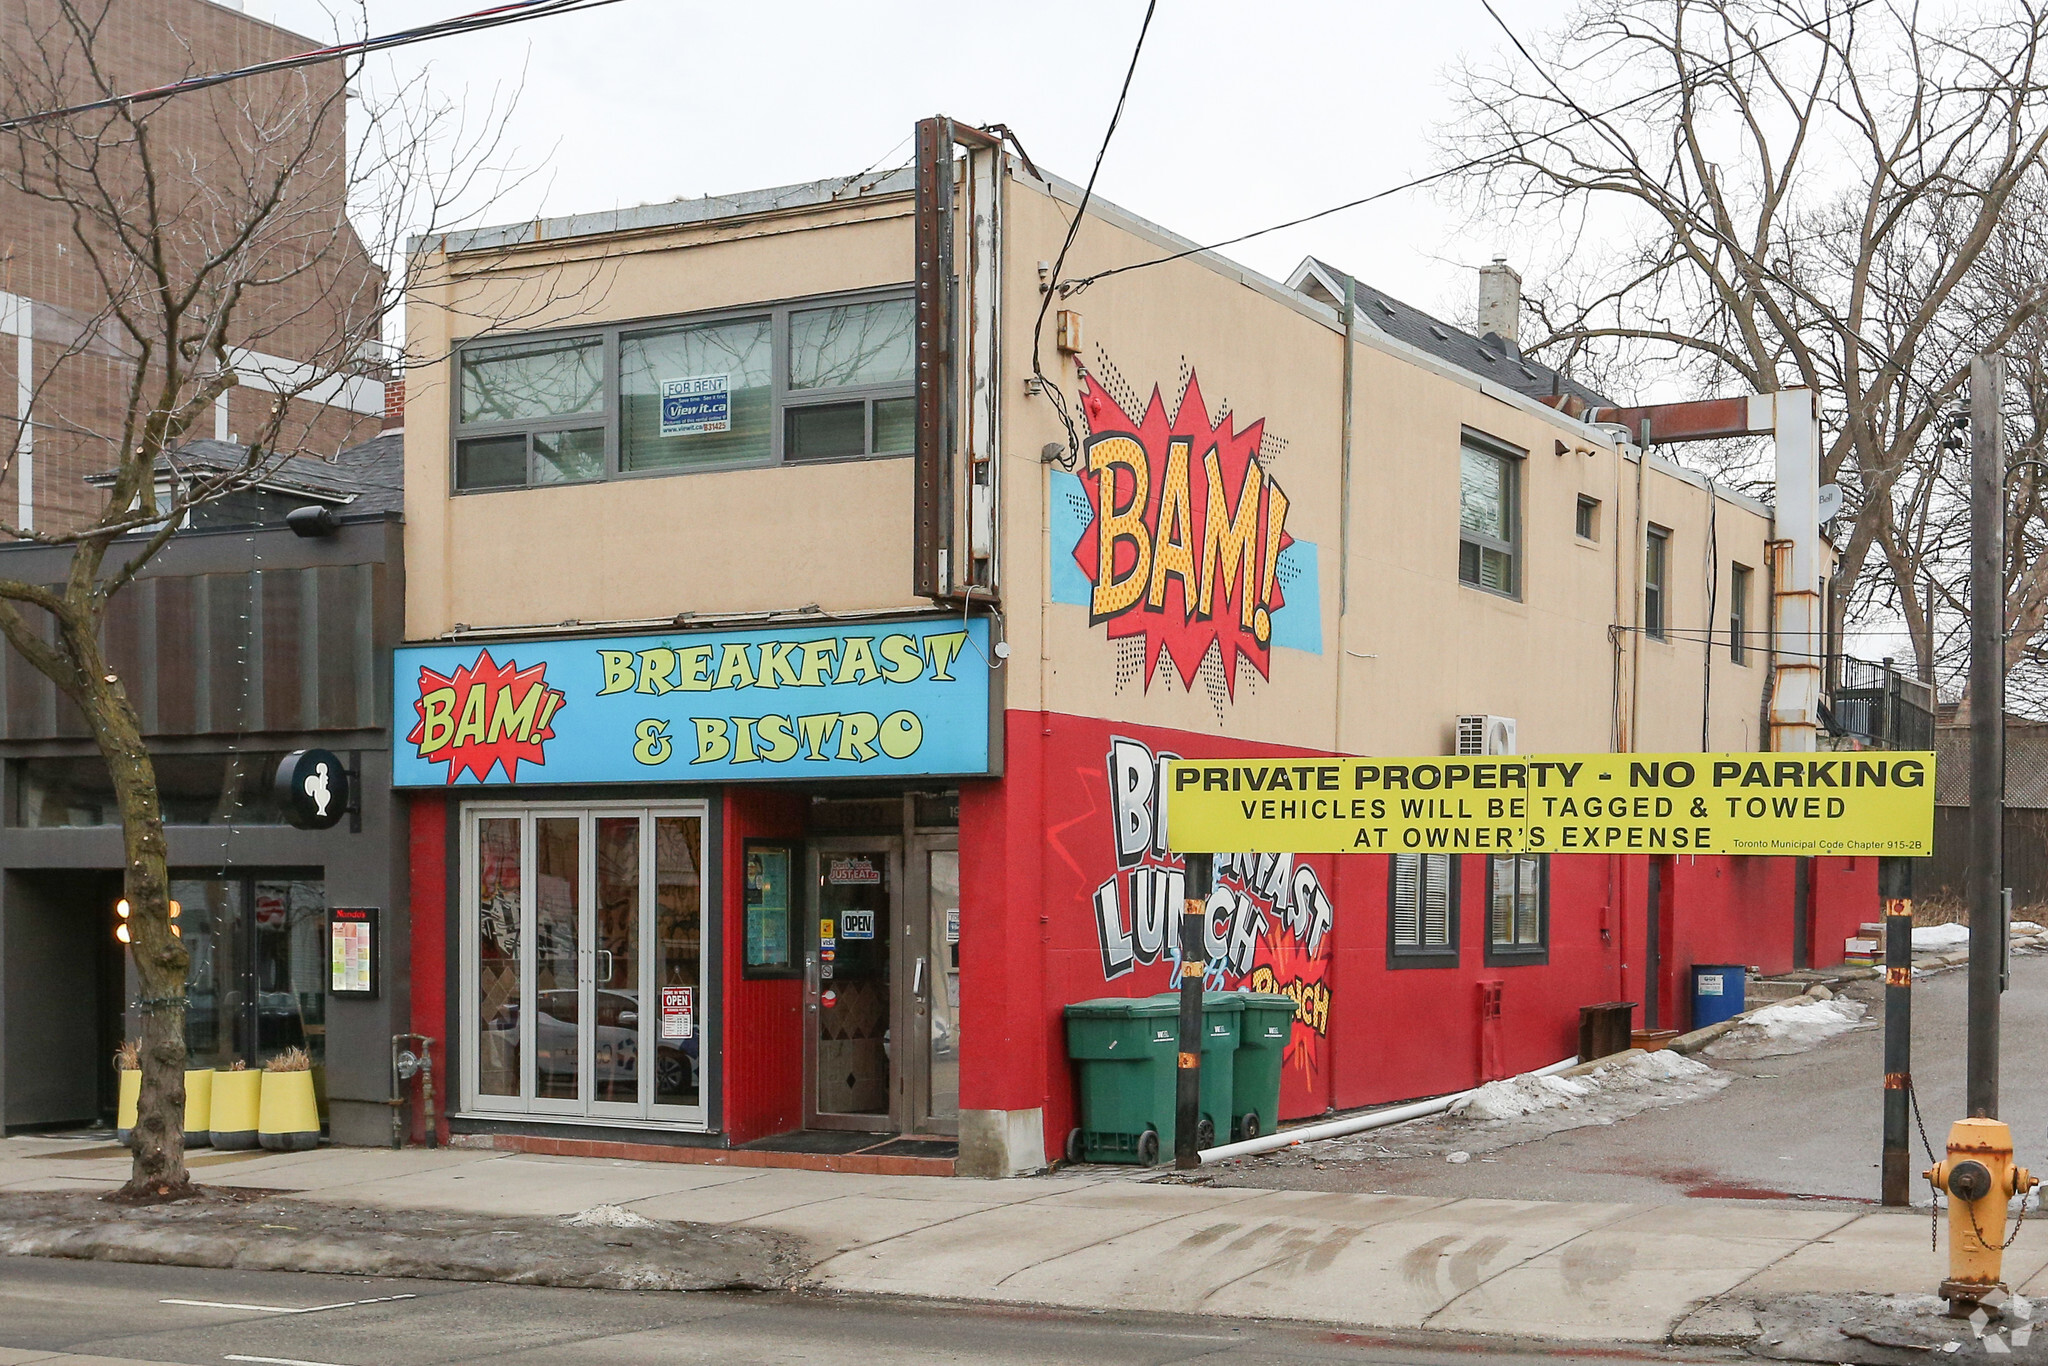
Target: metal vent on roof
[1527,373]
[1487,355]
[1386,307]
[1438,333]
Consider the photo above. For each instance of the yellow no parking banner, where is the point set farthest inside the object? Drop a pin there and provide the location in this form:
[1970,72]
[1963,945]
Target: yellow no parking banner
[1868,802]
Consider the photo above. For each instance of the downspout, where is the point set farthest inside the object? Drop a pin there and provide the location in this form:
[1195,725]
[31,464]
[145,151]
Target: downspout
[1635,649]
[1344,503]
[1713,594]
[1614,631]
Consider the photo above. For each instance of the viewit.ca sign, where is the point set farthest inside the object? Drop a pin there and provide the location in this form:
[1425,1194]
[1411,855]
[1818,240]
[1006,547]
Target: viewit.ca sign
[1860,803]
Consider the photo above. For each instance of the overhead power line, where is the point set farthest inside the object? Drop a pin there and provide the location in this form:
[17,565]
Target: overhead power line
[1073,228]
[1670,87]
[497,16]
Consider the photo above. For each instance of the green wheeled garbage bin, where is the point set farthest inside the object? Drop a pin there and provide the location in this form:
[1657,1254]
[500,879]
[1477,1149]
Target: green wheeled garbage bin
[1123,1053]
[1262,1034]
[1222,1012]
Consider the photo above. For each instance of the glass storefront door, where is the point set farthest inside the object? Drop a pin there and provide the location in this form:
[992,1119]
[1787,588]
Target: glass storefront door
[583,961]
[935,974]
[849,975]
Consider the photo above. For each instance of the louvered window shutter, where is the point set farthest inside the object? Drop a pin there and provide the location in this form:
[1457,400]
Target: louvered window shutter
[1502,898]
[1436,901]
[1407,873]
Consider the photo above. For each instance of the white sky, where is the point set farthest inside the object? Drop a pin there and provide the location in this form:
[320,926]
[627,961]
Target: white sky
[1242,114]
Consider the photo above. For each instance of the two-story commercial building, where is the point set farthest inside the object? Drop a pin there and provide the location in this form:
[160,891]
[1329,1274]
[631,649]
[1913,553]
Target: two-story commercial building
[802,596]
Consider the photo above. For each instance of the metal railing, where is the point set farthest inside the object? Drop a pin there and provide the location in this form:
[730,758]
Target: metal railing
[1875,705]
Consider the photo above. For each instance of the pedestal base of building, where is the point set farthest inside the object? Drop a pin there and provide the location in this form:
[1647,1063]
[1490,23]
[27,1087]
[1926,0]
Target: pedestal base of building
[999,1143]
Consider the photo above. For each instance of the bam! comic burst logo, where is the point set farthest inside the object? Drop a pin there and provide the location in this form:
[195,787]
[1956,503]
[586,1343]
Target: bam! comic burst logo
[485,715]
[1184,545]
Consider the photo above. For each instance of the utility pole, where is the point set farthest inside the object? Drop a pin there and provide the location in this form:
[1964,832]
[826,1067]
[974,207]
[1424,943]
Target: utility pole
[1895,886]
[1187,1095]
[1986,879]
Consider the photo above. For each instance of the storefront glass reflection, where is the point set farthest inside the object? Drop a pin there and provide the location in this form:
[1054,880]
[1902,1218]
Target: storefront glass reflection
[255,986]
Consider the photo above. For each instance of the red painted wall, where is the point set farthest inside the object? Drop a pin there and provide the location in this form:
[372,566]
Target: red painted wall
[432,890]
[1039,846]
[763,1051]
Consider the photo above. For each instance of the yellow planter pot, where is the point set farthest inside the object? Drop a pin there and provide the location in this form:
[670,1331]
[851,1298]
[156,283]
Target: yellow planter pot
[289,1119]
[124,1113]
[199,1108]
[237,1105]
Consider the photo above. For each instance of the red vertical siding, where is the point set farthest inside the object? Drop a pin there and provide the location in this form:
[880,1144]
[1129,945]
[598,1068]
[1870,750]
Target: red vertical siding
[431,890]
[763,1042]
[1039,846]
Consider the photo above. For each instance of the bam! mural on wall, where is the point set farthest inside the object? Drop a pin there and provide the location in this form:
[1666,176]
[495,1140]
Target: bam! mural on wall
[1174,533]
[1269,920]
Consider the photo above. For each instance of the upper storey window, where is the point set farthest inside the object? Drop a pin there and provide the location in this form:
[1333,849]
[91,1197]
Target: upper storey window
[808,381]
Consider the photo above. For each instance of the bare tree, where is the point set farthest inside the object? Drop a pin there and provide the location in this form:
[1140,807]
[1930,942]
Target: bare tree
[1777,193]
[217,231]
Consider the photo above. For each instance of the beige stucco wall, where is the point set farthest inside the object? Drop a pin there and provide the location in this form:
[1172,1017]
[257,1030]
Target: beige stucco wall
[837,535]
[1416,649]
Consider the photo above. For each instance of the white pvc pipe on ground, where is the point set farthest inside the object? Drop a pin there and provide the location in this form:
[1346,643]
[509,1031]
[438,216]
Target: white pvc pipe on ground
[1356,1124]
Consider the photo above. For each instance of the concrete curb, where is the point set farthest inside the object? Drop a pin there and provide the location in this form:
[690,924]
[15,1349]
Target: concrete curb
[288,1235]
[1689,1044]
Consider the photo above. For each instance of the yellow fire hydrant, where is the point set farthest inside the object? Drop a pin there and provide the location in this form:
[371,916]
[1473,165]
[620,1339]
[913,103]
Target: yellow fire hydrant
[1980,1178]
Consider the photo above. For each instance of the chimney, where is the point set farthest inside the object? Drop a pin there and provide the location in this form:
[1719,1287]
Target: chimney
[394,404]
[1500,302]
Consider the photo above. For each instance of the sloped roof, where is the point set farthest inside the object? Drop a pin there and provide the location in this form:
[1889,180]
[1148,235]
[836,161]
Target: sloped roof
[1490,356]
[364,479]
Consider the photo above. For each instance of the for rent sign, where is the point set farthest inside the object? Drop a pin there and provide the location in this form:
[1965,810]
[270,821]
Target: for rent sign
[1861,803]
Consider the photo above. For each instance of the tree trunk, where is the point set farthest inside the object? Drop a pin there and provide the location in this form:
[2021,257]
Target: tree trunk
[158,951]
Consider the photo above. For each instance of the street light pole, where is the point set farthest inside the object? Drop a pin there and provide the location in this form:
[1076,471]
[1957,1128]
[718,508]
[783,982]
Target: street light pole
[1985,881]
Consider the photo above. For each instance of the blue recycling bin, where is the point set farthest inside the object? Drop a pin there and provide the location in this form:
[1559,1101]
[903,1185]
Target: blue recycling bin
[1718,990]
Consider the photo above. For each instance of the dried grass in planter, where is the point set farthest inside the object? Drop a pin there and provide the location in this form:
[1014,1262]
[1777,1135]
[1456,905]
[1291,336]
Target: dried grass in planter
[238,1065]
[128,1057]
[291,1060]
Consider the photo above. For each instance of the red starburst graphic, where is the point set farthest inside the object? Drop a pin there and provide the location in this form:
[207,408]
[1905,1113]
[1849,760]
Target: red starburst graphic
[485,715]
[1195,528]
[1286,967]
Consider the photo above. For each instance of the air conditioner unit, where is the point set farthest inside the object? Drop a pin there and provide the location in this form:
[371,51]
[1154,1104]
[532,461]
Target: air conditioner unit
[1486,735]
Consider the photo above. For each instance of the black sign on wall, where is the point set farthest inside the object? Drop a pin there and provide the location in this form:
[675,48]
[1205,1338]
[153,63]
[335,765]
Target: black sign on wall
[313,786]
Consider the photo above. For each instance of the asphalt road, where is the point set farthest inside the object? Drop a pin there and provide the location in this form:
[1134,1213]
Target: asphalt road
[113,1313]
[1797,1128]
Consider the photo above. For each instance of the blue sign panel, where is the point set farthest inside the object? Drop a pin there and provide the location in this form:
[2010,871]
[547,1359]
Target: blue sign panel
[694,406]
[878,699]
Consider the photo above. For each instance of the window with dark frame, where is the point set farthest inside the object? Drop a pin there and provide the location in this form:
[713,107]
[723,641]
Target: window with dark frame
[1738,613]
[1656,556]
[1422,911]
[1517,908]
[1489,516]
[817,379]
[1587,522]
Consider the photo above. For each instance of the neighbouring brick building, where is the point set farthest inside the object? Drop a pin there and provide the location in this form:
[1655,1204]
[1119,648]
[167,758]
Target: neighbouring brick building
[64,361]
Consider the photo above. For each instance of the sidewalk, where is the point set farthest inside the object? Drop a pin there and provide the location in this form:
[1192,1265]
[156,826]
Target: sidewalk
[1111,1240]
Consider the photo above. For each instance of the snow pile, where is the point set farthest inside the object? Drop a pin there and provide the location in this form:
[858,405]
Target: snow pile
[2027,929]
[608,1216]
[1940,938]
[1789,1027]
[1523,1095]
[1529,1094]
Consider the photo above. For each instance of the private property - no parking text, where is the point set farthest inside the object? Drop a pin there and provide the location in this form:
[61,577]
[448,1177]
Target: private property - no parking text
[1700,803]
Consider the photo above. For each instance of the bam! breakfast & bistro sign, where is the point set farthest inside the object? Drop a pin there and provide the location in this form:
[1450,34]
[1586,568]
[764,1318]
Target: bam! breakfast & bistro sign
[837,700]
